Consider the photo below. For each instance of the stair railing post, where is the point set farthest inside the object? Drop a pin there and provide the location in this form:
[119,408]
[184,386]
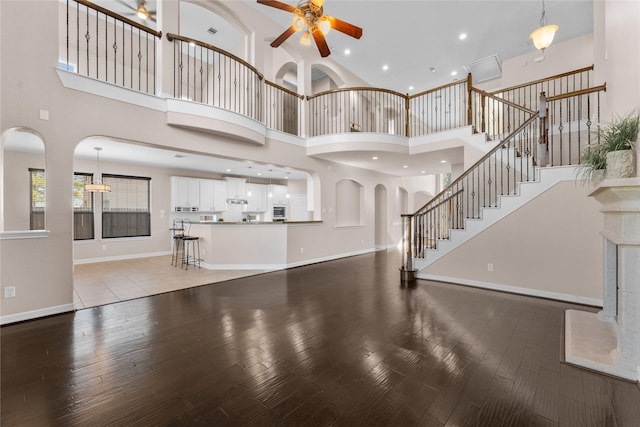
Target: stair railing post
[469,100]
[543,146]
[407,272]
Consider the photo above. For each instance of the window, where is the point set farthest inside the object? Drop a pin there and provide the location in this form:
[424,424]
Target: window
[37,183]
[125,210]
[82,207]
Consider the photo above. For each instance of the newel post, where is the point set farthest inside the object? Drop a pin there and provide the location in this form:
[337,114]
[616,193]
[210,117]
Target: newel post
[407,272]
[469,100]
[543,146]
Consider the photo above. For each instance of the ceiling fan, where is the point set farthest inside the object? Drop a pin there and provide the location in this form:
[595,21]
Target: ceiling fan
[311,20]
[141,11]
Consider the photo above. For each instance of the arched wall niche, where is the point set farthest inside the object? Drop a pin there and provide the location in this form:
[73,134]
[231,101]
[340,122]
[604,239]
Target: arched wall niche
[349,203]
[23,180]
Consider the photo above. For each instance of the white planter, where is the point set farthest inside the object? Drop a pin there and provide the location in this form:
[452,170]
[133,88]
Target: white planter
[621,164]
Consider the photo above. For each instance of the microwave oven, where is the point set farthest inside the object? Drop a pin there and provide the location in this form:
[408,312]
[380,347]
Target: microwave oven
[279,212]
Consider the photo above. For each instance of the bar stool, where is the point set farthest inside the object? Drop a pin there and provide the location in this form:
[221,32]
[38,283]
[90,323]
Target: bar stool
[191,244]
[178,250]
[177,233]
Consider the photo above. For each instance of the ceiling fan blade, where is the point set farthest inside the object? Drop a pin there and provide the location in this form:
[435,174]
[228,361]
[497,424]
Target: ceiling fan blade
[321,42]
[345,27]
[278,5]
[282,37]
[122,2]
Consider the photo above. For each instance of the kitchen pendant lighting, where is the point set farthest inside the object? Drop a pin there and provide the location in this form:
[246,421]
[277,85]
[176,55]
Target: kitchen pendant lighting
[543,36]
[249,183]
[97,186]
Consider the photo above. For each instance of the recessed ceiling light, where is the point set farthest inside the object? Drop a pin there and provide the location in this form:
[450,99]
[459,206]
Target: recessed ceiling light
[462,36]
[423,171]
[405,166]
[374,158]
[259,173]
[286,177]
[228,170]
[443,161]
[347,51]
[410,87]
[432,69]
[385,67]
[454,73]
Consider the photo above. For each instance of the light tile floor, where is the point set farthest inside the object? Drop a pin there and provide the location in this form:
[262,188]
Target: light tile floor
[108,282]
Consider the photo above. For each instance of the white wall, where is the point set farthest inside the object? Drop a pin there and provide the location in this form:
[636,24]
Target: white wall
[553,245]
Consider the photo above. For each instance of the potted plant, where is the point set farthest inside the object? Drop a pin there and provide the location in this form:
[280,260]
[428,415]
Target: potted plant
[614,156]
[619,138]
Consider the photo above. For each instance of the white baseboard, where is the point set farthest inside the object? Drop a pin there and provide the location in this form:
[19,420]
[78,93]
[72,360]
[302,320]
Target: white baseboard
[269,267]
[329,258]
[34,314]
[514,289]
[120,257]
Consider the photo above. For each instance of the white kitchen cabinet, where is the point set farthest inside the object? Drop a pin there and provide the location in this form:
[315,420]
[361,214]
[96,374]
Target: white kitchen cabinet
[185,193]
[236,188]
[257,201]
[279,195]
[219,195]
[206,195]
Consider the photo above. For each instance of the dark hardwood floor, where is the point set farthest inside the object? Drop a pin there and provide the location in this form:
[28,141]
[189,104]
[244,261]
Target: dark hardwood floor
[337,343]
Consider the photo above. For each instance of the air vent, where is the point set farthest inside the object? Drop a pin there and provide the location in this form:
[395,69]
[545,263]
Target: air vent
[485,69]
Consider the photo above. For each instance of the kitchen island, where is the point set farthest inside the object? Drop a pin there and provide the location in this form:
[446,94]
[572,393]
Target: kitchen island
[245,245]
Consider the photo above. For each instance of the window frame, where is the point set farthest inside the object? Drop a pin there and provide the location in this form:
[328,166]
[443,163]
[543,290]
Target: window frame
[121,223]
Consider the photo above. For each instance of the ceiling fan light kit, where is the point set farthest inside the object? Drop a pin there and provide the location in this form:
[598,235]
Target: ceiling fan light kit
[309,18]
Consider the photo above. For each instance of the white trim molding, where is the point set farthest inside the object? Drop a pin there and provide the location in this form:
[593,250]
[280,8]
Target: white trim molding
[120,257]
[513,289]
[24,234]
[34,314]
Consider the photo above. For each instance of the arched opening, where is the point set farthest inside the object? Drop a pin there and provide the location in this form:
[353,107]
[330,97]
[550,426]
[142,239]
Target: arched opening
[381,239]
[23,180]
[349,203]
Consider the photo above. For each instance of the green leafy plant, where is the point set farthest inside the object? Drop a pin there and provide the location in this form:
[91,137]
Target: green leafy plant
[620,134]
[593,159]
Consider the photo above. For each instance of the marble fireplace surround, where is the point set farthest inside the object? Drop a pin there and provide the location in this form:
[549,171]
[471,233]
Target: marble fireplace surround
[609,341]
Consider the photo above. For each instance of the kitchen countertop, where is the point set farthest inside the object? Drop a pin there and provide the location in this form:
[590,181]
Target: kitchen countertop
[253,223]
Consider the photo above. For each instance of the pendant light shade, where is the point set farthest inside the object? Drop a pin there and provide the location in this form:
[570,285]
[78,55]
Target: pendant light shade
[543,36]
[97,186]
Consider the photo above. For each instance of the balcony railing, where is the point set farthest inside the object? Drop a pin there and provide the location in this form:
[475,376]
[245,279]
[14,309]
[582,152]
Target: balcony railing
[443,108]
[357,109]
[209,75]
[282,109]
[109,47]
[103,45]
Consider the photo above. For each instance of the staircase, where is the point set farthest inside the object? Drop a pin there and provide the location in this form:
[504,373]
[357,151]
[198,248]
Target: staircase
[505,206]
[510,175]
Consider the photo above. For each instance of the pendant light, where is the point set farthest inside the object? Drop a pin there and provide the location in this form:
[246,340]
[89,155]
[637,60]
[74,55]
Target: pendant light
[249,183]
[97,186]
[543,36]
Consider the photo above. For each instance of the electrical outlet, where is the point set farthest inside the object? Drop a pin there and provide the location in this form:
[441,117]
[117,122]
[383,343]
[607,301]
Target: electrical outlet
[9,291]
[301,250]
[104,247]
[489,267]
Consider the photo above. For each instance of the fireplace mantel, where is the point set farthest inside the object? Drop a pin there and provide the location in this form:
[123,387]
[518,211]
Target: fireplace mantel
[609,341]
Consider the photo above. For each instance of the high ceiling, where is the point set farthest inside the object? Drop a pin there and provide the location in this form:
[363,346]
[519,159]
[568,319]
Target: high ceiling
[419,41]
[413,36]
